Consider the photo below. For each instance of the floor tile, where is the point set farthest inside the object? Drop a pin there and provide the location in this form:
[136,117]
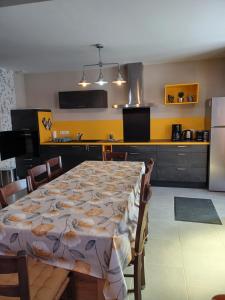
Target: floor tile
[164,283]
[184,260]
[164,230]
[164,253]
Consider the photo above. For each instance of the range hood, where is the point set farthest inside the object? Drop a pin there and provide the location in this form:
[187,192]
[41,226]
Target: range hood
[135,87]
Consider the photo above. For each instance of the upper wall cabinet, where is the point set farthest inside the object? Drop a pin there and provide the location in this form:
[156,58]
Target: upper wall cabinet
[186,93]
[83,99]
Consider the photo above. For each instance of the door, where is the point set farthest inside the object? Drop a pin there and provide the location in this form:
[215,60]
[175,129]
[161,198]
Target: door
[217,160]
[218,112]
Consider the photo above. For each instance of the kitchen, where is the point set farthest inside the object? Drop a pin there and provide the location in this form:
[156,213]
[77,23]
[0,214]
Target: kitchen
[181,256]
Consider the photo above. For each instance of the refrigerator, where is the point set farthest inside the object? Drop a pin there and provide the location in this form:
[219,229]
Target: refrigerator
[215,119]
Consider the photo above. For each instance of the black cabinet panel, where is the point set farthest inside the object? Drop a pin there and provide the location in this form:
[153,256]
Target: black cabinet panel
[23,163]
[72,155]
[83,99]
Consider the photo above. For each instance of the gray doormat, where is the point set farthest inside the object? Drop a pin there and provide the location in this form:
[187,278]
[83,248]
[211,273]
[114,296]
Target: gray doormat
[195,210]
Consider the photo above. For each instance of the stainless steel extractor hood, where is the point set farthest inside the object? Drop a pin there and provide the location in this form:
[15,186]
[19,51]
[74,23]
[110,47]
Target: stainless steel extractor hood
[135,87]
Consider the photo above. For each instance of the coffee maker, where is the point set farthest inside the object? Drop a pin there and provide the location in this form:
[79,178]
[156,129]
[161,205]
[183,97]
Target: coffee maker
[176,132]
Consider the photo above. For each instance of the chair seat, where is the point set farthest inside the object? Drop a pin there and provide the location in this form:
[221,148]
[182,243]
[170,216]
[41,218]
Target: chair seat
[46,282]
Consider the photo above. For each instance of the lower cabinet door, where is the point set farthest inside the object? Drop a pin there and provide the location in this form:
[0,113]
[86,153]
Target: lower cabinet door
[140,153]
[182,174]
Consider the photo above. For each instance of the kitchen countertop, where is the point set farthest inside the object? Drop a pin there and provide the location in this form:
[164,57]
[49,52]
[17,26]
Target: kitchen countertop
[121,142]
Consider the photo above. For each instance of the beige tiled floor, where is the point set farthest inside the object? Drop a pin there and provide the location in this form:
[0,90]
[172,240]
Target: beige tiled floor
[184,261]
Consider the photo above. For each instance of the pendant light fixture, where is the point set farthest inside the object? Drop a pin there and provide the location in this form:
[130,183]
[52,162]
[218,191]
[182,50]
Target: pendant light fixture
[101,81]
[83,81]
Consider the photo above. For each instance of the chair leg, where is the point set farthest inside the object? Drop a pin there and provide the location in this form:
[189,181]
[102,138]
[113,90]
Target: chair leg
[142,271]
[137,278]
[146,230]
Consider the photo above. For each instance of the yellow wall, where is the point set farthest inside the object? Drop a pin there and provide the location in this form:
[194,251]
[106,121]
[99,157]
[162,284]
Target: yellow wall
[45,134]
[99,129]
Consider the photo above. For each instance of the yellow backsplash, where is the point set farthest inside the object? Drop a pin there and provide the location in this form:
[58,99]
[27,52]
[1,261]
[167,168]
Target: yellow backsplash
[100,129]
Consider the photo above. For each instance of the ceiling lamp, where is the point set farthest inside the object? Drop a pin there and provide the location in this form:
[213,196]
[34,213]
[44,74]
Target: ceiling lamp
[83,81]
[101,81]
[119,80]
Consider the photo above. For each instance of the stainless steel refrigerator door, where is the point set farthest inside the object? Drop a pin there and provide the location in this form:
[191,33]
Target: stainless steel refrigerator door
[217,160]
[218,111]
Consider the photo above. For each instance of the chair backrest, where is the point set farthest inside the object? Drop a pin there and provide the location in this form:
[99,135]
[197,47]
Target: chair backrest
[142,216]
[114,156]
[146,178]
[15,264]
[13,188]
[38,175]
[149,167]
[54,167]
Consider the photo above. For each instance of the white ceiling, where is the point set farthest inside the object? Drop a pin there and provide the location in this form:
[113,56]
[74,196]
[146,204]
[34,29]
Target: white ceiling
[56,35]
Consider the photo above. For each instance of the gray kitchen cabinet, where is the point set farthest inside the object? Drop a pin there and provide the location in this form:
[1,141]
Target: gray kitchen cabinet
[182,165]
[175,165]
[139,153]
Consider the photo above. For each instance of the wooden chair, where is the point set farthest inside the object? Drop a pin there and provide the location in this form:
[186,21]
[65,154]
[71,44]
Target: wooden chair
[46,282]
[107,156]
[138,251]
[148,173]
[38,175]
[13,188]
[219,297]
[149,167]
[54,167]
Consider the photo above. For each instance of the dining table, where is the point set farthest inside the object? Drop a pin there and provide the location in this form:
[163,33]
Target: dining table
[84,221]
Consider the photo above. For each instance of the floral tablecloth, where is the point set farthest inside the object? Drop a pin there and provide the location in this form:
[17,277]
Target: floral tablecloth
[85,220]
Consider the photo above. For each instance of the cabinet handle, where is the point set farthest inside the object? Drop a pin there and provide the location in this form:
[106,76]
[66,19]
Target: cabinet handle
[181,154]
[135,153]
[26,134]
[181,146]
[181,169]
[28,159]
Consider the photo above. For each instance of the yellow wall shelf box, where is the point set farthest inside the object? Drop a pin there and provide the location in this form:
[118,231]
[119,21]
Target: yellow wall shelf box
[190,93]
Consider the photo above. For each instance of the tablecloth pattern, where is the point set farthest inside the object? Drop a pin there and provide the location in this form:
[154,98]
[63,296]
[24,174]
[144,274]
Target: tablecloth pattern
[85,220]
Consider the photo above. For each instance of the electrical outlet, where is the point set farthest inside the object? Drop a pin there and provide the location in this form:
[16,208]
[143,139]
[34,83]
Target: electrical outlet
[64,132]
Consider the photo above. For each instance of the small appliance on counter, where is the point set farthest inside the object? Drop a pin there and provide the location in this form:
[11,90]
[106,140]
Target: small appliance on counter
[176,132]
[187,135]
[202,136]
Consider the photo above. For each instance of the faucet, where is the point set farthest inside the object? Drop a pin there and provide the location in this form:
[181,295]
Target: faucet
[79,136]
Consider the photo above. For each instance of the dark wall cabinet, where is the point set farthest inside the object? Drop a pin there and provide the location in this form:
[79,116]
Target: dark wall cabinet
[175,165]
[71,155]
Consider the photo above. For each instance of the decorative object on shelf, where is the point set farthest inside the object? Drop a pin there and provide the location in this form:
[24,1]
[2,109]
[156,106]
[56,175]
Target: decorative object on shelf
[183,93]
[101,81]
[170,98]
[47,123]
[190,99]
[181,97]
